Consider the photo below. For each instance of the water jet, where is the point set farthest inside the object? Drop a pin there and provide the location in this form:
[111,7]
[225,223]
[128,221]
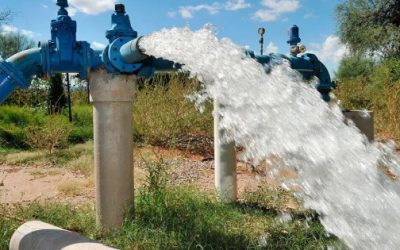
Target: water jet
[112,73]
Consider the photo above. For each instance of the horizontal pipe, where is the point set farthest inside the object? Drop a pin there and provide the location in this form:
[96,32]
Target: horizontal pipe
[131,52]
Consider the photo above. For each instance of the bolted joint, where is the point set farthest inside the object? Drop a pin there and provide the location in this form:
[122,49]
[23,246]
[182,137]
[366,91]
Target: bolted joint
[114,57]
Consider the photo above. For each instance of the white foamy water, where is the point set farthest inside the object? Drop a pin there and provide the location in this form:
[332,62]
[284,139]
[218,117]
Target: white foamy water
[278,115]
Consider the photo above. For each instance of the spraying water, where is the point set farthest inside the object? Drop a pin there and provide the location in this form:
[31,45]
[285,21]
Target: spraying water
[278,115]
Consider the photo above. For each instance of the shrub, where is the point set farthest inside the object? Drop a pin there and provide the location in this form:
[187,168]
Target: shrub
[163,115]
[380,92]
[354,67]
[82,118]
[14,123]
[53,134]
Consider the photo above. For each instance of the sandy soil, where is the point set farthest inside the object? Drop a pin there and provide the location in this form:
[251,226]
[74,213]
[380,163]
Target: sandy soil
[30,183]
[38,183]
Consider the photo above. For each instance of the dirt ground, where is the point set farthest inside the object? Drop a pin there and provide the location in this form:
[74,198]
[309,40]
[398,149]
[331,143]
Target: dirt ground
[39,183]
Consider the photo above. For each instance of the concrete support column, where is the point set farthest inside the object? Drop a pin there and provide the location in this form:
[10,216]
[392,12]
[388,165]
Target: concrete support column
[225,164]
[364,121]
[112,97]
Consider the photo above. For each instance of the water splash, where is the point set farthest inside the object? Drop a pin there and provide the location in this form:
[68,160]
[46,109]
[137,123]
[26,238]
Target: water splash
[277,115]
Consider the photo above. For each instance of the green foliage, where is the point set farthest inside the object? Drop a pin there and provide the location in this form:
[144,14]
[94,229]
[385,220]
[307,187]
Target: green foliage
[355,66]
[180,219]
[82,118]
[56,98]
[163,114]
[5,15]
[70,217]
[370,26]
[380,92]
[35,96]
[53,133]
[14,124]
[12,43]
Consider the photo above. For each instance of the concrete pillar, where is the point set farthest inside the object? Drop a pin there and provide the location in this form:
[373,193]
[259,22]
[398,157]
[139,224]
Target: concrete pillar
[112,97]
[364,121]
[37,235]
[225,164]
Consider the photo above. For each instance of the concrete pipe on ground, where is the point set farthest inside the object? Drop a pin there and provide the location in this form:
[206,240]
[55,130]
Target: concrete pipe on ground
[37,235]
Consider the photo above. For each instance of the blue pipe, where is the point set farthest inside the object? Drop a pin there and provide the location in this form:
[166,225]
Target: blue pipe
[131,52]
[18,71]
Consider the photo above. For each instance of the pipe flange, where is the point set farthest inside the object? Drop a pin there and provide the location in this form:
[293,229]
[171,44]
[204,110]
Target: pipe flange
[115,58]
[106,61]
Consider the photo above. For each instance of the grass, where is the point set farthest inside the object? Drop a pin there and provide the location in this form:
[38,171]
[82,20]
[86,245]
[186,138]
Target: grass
[71,188]
[77,157]
[179,218]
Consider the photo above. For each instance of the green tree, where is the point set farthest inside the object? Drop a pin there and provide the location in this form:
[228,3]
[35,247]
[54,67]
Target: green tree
[5,15]
[56,98]
[354,66]
[12,43]
[370,26]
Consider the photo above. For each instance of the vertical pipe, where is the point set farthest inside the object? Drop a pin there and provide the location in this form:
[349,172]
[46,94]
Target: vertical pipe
[112,96]
[88,91]
[69,98]
[225,163]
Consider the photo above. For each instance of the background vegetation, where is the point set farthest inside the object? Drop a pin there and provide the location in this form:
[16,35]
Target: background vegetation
[369,77]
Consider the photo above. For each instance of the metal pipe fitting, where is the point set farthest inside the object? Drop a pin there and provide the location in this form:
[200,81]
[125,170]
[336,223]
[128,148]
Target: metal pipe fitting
[131,51]
[18,71]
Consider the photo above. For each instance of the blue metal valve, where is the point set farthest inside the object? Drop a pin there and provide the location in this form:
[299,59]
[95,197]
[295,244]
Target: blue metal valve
[307,64]
[61,54]
[294,37]
[121,33]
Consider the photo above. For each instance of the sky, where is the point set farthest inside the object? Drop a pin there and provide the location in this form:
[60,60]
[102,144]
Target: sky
[237,20]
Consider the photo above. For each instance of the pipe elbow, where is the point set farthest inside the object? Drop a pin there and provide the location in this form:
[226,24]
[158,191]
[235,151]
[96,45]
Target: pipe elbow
[18,71]
[28,63]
